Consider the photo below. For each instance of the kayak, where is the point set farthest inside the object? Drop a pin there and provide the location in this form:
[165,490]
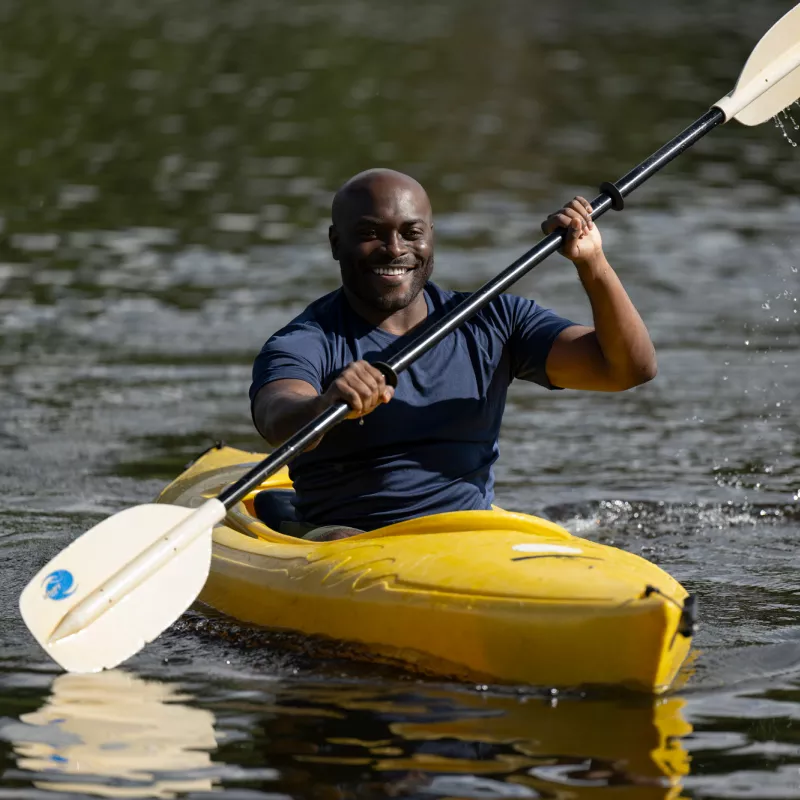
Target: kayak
[489,596]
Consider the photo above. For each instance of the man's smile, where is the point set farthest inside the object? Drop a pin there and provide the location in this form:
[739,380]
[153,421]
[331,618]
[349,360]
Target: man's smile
[390,275]
[391,270]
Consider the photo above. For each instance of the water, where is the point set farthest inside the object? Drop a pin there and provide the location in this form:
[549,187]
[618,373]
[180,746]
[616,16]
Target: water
[167,174]
[780,124]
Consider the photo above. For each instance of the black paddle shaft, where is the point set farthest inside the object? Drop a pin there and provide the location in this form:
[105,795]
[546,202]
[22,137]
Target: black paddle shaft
[612,196]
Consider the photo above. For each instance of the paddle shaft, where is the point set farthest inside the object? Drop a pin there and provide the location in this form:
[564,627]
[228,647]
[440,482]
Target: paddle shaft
[611,197]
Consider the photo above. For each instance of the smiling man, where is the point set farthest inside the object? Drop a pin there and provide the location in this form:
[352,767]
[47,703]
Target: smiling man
[428,446]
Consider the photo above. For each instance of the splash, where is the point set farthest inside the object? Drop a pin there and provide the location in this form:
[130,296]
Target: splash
[781,124]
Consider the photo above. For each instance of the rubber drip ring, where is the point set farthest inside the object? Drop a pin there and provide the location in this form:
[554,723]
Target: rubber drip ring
[617,200]
[388,373]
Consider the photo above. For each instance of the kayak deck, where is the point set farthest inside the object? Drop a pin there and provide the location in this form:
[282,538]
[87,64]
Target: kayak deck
[492,596]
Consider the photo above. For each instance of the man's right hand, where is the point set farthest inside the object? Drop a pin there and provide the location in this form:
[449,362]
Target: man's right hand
[361,386]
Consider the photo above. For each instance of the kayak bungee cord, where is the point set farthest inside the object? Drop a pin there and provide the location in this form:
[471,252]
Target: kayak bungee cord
[124,581]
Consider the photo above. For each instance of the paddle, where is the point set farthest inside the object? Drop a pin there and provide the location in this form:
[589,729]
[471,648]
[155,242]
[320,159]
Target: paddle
[123,582]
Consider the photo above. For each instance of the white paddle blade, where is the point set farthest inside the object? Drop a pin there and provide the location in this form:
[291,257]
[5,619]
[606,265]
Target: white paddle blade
[770,80]
[91,562]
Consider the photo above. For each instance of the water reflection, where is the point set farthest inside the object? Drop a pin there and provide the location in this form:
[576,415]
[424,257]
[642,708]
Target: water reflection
[438,743]
[115,735]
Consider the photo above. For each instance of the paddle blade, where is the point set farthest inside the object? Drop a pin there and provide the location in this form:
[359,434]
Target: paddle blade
[95,558]
[770,80]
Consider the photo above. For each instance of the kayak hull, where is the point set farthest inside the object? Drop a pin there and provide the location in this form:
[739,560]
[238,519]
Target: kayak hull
[488,596]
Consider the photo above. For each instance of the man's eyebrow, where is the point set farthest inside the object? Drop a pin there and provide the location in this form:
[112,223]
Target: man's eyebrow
[368,220]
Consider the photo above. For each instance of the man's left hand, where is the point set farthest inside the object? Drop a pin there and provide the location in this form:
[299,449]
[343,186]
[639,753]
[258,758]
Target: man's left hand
[583,242]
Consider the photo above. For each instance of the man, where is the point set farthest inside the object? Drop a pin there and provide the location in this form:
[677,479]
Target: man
[429,445]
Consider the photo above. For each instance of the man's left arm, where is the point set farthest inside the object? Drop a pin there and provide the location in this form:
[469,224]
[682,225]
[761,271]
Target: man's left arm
[617,353]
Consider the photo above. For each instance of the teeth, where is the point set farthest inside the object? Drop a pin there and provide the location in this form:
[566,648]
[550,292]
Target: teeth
[390,270]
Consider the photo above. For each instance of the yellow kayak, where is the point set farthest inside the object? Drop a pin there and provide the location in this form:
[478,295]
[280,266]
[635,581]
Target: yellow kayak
[488,596]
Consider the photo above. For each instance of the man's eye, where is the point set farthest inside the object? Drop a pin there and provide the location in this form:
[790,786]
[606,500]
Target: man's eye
[367,233]
[414,233]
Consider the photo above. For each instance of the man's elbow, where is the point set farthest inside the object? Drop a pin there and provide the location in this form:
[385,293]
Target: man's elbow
[272,441]
[642,372]
[650,370]
[268,433]
[635,375]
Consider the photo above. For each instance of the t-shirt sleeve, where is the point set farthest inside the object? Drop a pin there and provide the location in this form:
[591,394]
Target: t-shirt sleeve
[533,331]
[296,352]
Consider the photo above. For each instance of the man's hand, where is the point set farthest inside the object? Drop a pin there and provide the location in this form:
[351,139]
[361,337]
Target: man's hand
[583,243]
[361,386]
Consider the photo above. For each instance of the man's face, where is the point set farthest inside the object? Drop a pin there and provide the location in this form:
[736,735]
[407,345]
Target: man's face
[382,238]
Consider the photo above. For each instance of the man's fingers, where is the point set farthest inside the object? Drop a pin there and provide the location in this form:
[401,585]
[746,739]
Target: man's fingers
[570,218]
[370,381]
[375,383]
[575,224]
[577,211]
[584,208]
[368,394]
[350,396]
[371,376]
[563,218]
[363,388]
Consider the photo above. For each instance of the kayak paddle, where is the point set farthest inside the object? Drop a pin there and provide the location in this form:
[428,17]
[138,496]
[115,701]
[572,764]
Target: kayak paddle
[120,584]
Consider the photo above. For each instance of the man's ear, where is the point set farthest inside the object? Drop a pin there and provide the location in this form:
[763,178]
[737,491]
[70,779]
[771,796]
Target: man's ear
[333,238]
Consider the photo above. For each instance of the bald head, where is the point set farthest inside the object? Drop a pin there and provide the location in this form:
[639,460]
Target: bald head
[362,191]
[382,237]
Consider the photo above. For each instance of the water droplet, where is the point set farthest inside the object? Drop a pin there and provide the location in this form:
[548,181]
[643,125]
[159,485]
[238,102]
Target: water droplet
[779,124]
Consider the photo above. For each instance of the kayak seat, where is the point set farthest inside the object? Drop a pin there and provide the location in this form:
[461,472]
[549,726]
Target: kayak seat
[274,507]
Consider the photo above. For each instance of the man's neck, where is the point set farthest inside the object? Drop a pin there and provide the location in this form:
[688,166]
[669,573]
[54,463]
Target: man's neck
[398,323]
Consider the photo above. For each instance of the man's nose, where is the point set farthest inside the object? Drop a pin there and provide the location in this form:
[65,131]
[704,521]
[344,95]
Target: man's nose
[395,244]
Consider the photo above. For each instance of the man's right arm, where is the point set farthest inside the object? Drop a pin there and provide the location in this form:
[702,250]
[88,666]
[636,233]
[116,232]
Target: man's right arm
[283,407]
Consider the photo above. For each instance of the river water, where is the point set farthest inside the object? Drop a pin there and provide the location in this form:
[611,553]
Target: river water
[167,169]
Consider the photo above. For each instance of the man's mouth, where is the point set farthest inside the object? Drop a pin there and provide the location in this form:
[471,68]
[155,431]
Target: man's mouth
[391,271]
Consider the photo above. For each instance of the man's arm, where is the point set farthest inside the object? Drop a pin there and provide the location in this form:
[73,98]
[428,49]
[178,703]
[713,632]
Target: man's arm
[617,353]
[282,407]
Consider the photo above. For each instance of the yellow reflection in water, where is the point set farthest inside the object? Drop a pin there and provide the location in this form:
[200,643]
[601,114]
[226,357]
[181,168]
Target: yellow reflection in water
[516,746]
[119,732]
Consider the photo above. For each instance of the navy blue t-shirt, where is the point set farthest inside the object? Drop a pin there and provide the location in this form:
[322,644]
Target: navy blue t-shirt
[432,447]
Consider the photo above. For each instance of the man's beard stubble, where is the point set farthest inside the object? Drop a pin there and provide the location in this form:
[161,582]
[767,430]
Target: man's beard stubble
[420,276]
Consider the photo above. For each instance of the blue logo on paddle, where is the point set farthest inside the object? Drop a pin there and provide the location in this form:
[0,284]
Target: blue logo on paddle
[59,585]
